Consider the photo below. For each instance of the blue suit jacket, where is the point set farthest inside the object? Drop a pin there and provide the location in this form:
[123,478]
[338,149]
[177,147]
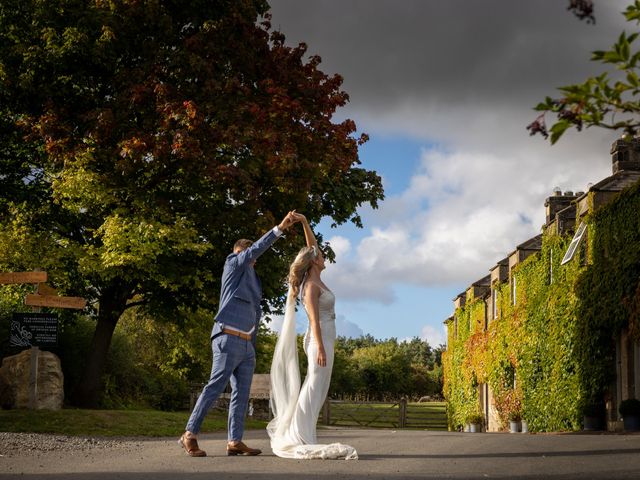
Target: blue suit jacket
[241,291]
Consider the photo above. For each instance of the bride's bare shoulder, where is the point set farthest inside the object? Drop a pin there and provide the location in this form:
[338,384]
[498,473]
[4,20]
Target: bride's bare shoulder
[312,289]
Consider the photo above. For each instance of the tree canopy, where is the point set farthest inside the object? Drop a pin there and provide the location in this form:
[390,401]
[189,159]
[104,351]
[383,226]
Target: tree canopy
[140,139]
[609,100]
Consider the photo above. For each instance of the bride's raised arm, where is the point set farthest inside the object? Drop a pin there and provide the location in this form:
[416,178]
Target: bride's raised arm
[308,233]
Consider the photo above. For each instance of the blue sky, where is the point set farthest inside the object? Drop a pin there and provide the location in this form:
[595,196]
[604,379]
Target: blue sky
[414,308]
[445,90]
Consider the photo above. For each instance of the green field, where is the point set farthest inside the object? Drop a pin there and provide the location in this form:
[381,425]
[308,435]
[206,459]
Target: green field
[153,423]
[148,423]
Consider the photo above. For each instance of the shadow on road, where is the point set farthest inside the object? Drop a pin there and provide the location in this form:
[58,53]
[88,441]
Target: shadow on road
[573,453]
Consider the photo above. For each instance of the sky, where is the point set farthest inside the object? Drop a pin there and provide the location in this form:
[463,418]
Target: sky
[445,90]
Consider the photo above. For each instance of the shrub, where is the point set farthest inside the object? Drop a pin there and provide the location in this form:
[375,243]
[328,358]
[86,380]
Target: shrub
[476,418]
[594,409]
[629,407]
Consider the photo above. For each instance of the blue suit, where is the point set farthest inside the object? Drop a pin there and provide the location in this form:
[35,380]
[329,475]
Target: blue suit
[234,359]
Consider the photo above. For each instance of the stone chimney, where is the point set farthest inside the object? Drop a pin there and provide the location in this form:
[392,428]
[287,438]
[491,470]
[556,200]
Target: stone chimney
[625,155]
[558,201]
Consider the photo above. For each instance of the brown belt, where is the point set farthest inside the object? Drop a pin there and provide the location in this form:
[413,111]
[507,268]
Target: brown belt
[244,336]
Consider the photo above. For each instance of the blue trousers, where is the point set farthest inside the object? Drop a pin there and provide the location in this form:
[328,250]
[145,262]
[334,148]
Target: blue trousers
[234,359]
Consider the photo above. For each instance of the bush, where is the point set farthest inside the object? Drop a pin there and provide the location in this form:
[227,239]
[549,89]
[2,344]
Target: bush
[594,409]
[476,418]
[142,371]
[629,407]
[515,416]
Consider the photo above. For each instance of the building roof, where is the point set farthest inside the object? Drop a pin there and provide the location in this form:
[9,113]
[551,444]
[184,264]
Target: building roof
[501,263]
[483,282]
[614,183]
[534,243]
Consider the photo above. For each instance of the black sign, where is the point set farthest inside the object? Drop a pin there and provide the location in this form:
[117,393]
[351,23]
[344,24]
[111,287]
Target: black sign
[34,330]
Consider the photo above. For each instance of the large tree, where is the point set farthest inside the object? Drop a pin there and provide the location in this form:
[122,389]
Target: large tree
[139,139]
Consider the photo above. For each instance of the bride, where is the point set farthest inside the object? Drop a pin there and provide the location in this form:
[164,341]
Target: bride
[296,409]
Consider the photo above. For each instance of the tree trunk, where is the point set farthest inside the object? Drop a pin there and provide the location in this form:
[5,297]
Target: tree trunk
[112,304]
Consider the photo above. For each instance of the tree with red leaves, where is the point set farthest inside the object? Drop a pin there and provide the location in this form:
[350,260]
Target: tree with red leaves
[140,139]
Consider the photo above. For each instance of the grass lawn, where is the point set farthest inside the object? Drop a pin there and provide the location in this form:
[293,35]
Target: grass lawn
[154,423]
[109,423]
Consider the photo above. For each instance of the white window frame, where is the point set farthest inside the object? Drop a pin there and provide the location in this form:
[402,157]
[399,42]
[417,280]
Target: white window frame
[573,246]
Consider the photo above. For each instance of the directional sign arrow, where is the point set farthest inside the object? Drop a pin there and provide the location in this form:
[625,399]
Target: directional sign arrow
[54,301]
[22,277]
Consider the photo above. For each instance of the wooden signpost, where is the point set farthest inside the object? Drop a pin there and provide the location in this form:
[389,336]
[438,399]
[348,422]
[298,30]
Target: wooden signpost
[23,277]
[54,301]
[46,296]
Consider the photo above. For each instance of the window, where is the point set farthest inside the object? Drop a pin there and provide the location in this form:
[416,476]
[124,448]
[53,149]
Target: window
[574,243]
[551,266]
[513,289]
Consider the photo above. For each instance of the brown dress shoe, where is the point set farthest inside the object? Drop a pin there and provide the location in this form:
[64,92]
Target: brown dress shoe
[240,448]
[191,446]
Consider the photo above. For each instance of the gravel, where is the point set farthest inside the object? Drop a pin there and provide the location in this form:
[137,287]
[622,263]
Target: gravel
[15,444]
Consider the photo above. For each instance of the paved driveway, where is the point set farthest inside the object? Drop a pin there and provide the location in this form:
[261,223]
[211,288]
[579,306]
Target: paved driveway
[384,454]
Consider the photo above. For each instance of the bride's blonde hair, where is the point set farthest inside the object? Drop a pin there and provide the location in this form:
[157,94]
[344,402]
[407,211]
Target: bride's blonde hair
[300,267]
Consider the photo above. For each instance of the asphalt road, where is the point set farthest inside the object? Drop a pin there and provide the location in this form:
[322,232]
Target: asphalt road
[384,454]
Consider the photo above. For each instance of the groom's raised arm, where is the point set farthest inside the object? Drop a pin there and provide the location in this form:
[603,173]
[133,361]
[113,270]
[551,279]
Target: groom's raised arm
[261,245]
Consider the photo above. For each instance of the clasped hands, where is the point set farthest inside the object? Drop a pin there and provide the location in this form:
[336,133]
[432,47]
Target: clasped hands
[291,218]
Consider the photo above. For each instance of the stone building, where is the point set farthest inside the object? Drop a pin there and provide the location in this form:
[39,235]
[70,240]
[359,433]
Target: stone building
[567,216]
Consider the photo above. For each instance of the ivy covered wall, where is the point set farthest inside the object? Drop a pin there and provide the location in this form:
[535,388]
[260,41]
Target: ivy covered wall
[552,353]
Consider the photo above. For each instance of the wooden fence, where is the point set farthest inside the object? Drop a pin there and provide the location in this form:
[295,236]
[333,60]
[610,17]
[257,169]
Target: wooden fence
[401,414]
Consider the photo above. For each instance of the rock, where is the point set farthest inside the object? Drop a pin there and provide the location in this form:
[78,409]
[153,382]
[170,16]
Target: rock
[15,376]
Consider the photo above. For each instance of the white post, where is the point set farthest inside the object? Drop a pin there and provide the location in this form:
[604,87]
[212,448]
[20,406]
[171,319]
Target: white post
[33,378]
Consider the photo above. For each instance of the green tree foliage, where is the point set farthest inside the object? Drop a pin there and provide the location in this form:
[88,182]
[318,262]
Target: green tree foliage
[369,369]
[609,100]
[140,139]
[155,363]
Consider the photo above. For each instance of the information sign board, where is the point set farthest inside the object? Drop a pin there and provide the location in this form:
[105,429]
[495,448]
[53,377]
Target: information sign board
[34,330]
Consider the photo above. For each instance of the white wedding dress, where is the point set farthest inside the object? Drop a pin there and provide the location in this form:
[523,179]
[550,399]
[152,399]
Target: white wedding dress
[296,409]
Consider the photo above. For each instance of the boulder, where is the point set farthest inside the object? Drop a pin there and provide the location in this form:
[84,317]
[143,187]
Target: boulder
[15,378]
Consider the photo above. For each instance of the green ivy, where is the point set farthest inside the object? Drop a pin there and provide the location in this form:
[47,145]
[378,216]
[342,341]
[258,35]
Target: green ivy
[558,340]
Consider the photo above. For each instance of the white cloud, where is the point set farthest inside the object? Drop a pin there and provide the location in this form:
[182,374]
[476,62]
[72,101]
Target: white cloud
[340,245]
[275,325]
[463,210]
[277,320]
[344,327]
[433,336]
[481,191]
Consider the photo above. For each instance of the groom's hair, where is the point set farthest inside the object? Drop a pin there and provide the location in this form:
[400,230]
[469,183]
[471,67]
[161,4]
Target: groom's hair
[241,245]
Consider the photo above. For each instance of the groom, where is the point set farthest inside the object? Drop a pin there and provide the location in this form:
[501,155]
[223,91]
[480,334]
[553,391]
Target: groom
[233,341]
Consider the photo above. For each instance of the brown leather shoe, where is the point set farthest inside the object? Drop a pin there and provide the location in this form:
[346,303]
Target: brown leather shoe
[191,446]
[240,448]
